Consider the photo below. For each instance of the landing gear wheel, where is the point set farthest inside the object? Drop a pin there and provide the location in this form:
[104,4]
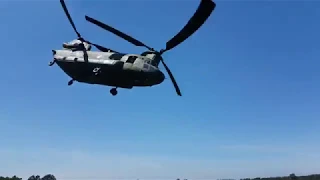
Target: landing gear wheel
[70,82]
[114,91]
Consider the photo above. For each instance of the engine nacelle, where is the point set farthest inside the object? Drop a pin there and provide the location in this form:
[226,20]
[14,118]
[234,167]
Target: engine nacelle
[76,44]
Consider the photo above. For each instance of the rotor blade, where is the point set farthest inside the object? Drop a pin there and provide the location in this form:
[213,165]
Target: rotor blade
[172,78]
[69,17]
[117,32]
[103,49]
[199,17]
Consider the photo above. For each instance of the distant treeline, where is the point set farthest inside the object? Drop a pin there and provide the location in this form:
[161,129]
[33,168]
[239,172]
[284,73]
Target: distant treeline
[10,178]
[33,177]
[290,177]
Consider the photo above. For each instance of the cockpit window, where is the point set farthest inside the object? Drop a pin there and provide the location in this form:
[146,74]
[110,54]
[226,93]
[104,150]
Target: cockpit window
[131,59]
[153,63]
[152,68]
[146,66]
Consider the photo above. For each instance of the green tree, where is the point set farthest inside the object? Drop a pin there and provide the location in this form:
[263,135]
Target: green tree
[293,176]
[48,177]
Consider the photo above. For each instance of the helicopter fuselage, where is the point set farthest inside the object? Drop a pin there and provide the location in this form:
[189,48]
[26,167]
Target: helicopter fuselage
[108,68]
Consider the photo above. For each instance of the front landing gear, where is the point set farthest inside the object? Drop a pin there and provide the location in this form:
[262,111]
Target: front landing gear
[114,91]
[70,82]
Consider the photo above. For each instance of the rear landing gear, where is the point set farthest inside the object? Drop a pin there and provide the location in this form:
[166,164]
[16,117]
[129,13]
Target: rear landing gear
[52,62]
[114,91]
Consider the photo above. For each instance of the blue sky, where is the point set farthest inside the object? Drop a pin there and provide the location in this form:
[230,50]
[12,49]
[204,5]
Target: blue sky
[249,78]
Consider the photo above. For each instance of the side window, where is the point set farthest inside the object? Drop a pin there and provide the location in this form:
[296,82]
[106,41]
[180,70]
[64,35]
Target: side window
[131,59]
[116,56]
[146,66]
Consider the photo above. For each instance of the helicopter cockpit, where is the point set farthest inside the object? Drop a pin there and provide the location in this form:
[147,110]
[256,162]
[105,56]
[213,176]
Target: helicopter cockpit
[147,60]
[153,56]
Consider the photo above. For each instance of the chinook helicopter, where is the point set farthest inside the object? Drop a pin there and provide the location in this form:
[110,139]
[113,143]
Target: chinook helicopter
[121,70]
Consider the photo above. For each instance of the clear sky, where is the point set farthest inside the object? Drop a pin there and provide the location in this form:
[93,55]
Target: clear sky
[249,77]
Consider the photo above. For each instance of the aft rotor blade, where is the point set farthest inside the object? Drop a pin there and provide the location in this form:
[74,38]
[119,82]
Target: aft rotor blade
[172,78]
[196,21]
[101,48]
[117,32]
[69,17]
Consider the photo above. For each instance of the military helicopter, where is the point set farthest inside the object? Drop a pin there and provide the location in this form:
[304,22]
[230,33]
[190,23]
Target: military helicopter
[121,70]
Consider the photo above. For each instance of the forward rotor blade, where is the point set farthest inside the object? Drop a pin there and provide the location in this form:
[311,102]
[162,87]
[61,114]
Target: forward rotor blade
[196,21]
[117,32]
[172,78]
[69,17]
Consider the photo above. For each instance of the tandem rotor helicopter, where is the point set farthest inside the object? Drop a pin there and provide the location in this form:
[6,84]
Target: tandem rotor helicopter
[120,70]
